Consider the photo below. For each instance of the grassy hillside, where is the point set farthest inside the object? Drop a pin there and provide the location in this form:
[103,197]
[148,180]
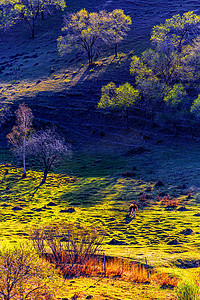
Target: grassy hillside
[110,166]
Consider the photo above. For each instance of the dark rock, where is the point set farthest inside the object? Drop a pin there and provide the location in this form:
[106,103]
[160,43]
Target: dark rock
[159,183]
[112,219]
[38,209]
[159,141]
[162,194]
[38,81]
[187,231]
[69,210]
[170,207]
[116,242]
[89,297]
[16,208]
[146,137]
[64,239]
[186,264]
[128,174]
[34,56]
[173,242]
[182,208]
[51,204]
[197,215]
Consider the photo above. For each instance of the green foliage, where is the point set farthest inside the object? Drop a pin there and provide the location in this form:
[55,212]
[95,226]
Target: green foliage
[175,96]
[119,98]
[22,276]
[12,11]
[195,108]
[177,31]
[163,72]
[88,31]
[188,290]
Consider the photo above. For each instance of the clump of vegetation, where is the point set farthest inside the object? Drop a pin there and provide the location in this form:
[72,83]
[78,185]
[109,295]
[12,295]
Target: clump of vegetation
[68,246]
[188,290]
[168,201]
[120,99]
[22,276]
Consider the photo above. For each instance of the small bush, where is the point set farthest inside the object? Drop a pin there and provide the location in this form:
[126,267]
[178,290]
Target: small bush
[188,290]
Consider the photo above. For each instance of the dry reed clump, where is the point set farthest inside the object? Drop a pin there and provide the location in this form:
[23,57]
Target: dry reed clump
[168,201]
[165,280]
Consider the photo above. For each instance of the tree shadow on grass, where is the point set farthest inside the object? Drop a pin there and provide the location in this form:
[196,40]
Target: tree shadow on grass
[86,196]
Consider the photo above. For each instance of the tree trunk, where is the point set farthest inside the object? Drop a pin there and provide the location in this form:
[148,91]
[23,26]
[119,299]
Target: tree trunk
[24,157]
[42,15]
[33,29]
[44,176]
[116,47]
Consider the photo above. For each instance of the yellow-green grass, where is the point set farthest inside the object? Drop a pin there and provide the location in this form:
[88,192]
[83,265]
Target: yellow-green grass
[98,201]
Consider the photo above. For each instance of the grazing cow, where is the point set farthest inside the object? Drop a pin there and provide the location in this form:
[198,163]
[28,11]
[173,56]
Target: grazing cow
[132,210]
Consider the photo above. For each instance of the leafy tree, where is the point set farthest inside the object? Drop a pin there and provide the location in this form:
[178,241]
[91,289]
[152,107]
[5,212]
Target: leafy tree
[119,24]
[49,148]
[177,32]
[88,31]
[13,11]
[20,132]
[173,59]
[177,104]
[121,99]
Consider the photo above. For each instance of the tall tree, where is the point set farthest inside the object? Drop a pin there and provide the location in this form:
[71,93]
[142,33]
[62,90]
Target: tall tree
[12,11]
[120,99]
[49,148]
[118,25]
[173,59]
[20,132]
[88,31]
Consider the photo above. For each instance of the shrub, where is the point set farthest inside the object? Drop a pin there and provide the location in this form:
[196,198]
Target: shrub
[68,245]
[22,276]
[188,290]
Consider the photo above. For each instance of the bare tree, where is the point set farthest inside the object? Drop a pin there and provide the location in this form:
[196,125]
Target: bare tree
[20,132]
[21,277]
[49,148]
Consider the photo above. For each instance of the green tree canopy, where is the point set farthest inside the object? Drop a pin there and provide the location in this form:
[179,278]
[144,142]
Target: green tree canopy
[173,59]
[120,99]
[88,31]
[13,11]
